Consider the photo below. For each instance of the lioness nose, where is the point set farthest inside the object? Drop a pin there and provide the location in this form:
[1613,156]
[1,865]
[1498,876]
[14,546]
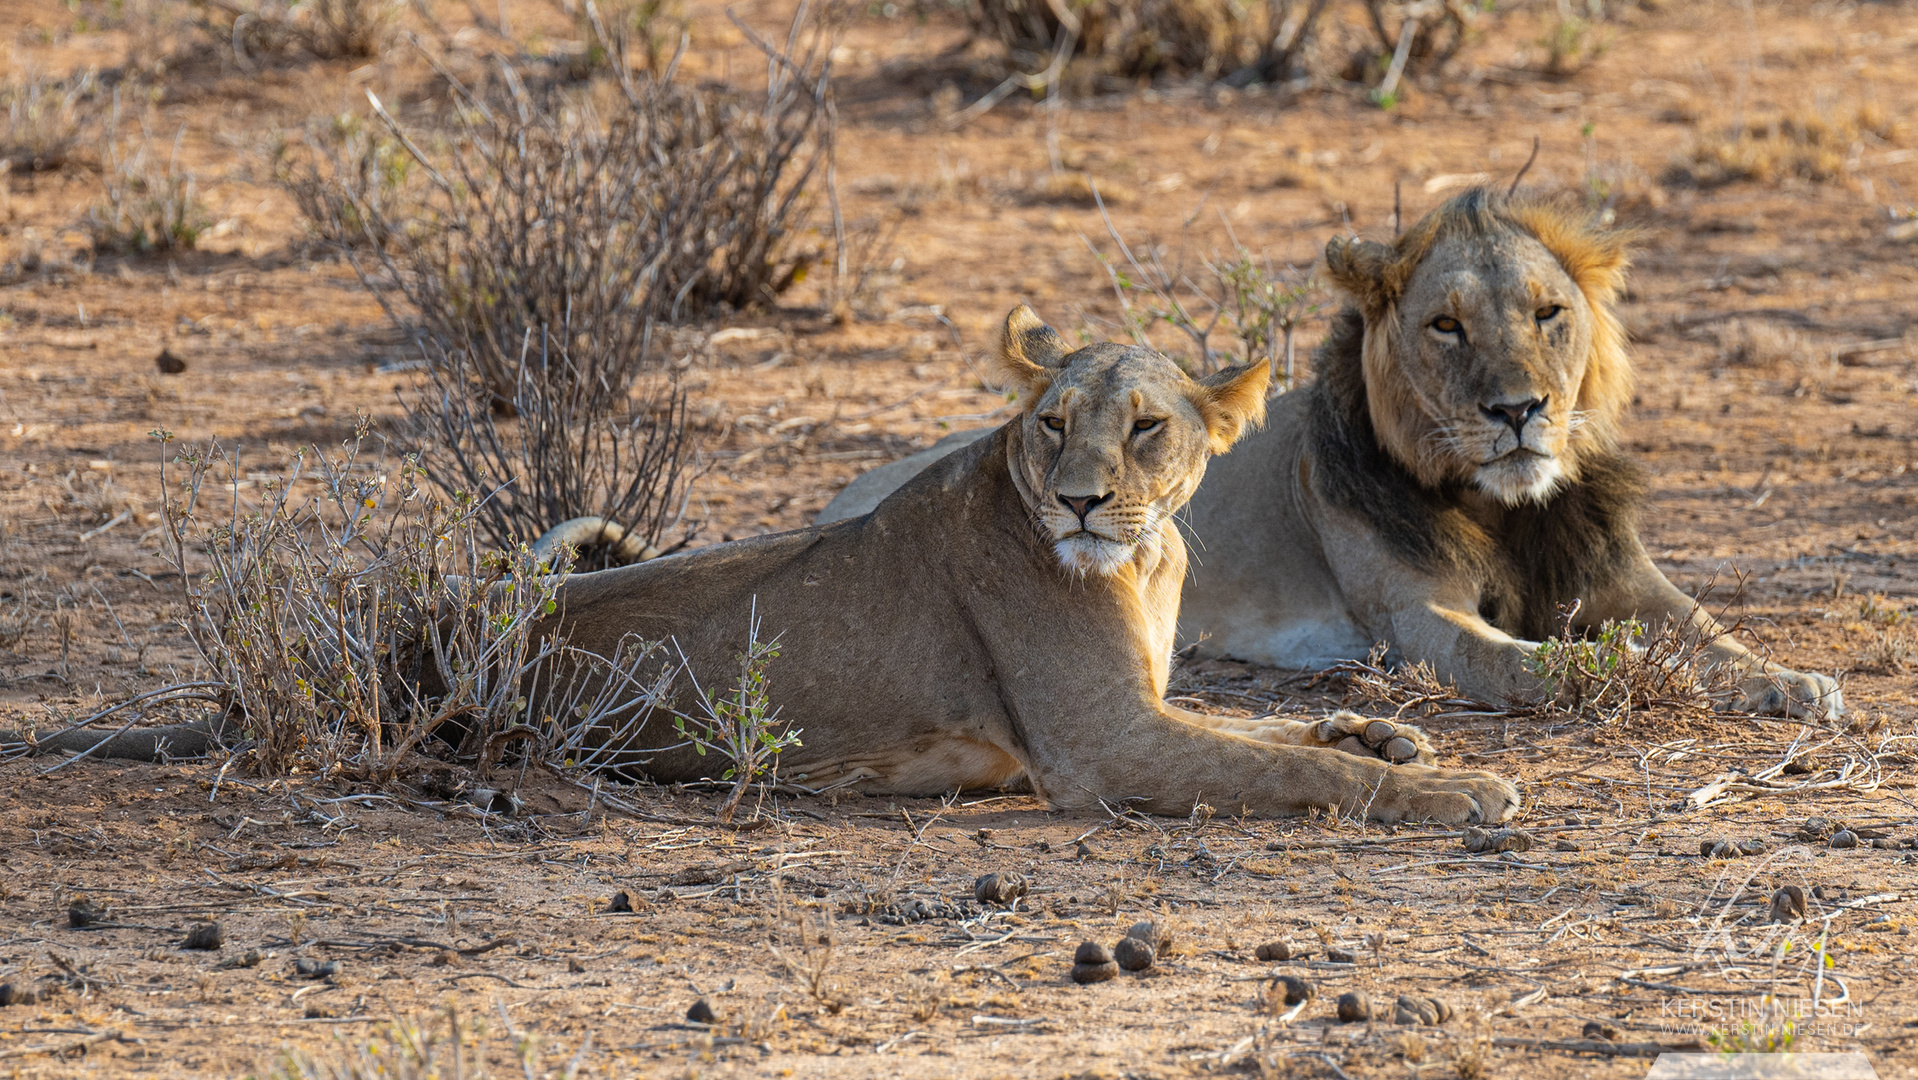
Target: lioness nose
[1084,504]
[1516,414]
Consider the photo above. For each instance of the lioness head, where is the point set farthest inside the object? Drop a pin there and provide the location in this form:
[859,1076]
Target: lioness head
[1492,357]
[1114,439]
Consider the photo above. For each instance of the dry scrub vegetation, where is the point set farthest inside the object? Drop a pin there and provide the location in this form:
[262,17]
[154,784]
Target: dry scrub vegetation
[426,278]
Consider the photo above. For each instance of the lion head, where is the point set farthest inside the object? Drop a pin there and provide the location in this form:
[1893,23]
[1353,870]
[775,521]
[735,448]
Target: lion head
[1491,354]
[1113,440]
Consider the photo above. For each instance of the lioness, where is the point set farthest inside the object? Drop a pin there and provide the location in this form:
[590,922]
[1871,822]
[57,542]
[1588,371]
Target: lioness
[1010,612]
[1450,480]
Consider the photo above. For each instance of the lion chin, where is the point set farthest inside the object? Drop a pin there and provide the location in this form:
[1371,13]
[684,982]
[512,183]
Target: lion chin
[1520,477]
[1086,553]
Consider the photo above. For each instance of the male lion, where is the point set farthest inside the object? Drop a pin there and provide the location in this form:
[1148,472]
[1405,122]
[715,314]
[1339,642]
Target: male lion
[1449,482]
[1010,612]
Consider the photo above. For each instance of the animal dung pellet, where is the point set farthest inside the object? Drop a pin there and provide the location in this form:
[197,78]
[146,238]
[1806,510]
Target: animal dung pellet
[1273,950]
[316,969]
[1414,1010]
[1092,963]
[1132,954]
[622,903]
[12,994]
[82,913]
[1340,956]
[1753,847]
[1354,1006]
[1595,1029]
[168,363]
[204,935]
[999,888]
[1716,849]
[1787,904]
[1496,841]
[701,1013]
[1844,838]
[1567,845]
[1083,851]
[1295,988]
[1817,828]
[1153,933]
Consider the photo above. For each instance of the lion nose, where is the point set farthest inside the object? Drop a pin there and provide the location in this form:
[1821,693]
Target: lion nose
[1082,505]
[1516,414]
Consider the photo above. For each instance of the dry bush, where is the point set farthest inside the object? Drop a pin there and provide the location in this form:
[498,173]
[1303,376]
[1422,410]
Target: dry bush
[42,119]
[1237,295]
[328,29]
[613,31]
[1815,145]
[350,626]
[1759,344]
[410,1050]
[546,244]
[149,205]
[1891,647]
[1620,669]
[1247,41]
[353,183]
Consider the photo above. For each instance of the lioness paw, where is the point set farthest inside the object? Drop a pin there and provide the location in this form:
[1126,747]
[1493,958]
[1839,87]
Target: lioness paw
[1780,692]
[1417,793]
[1395,743]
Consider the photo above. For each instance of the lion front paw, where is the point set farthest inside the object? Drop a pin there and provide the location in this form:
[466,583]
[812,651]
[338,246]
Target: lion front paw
[1420,793]
[1386,740]
[1781,692]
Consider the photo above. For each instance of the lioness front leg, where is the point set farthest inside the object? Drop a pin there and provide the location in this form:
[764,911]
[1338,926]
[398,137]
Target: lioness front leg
[1344,730]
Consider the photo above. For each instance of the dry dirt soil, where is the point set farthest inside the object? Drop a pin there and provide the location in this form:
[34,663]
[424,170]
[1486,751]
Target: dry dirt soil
[1775,320]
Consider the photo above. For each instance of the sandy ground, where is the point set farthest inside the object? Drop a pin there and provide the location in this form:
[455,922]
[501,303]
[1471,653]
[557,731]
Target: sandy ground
[1792,468]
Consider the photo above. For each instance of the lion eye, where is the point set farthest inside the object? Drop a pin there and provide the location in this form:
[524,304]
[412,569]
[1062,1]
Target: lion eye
[1445,324]
[1053,423]
[1145,424]
[1547,313]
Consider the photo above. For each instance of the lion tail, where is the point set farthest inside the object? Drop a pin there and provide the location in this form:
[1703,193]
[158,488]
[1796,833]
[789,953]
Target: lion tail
[592,532]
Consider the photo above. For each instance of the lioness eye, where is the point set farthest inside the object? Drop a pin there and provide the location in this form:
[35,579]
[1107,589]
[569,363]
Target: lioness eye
[1053,423]
[1445,324]
[1547,313]
[1144,424]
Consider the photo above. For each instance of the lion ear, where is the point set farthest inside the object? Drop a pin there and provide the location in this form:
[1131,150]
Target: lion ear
[1030,351]
[1231,401]
[1357,269]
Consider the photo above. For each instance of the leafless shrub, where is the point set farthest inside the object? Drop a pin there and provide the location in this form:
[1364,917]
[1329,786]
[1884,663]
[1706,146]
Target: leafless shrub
[149,205]
[325,28]
[1260,41]
[1419,37]
[45,119]
[352,183]
[549,240]
[1750,343]
[350,626]
[1256,306]
[804,944]
[1621,668]
[612,31]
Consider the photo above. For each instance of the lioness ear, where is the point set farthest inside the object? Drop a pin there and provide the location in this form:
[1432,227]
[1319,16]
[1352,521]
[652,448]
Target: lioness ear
[1030,351]
[1232,401]
[1357,269]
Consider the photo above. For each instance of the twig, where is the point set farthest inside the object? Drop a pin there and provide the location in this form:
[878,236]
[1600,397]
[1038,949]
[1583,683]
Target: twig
[1523,169]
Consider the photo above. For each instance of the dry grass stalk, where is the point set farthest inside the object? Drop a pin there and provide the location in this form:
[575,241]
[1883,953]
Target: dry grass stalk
[149,206]
[350,626]
[42,119]
[413,1051]
[1819,146]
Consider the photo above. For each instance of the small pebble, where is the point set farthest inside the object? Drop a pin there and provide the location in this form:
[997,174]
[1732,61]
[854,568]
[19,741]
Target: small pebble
[316,969]
[1132,954]
[1354,1006]
[1000,888]
[701,1013]
[204,935]
[1340,956]
[168,363]
[1567,845]
[622,903]
[1844,838]
[1083,851]
[1273,950]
